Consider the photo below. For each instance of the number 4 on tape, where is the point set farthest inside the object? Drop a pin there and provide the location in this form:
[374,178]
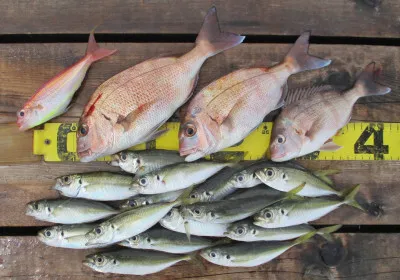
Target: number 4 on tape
[360,141]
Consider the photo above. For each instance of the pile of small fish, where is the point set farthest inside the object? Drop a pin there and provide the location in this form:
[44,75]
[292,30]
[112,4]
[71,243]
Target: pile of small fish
[260,205]
[236,214]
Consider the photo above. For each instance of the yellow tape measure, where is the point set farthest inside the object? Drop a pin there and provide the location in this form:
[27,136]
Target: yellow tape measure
[360,141]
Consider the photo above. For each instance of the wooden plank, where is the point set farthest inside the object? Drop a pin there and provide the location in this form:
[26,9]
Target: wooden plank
[24,68]
[360,18]
[351,256]
[379,189]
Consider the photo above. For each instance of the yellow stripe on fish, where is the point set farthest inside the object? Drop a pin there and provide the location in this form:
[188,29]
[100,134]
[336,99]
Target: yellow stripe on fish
[360,141]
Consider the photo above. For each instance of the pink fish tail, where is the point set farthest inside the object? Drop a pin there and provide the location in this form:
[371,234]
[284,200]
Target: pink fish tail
[211,40]
[95,52]
[366,84]
[299,58]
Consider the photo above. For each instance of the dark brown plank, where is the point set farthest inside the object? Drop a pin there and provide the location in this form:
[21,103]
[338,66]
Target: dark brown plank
[379,189]
[364,18]
[24,68]
[351,256]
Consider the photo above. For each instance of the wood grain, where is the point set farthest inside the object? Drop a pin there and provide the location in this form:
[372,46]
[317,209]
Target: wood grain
[24,68]
[351,256]
[379,191]
[358,18]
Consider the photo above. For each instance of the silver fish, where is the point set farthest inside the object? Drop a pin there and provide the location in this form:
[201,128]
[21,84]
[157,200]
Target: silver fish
[175,222]
[66,236]
[176,177]
[69,211]
[134,262]
[302,210]
[167,241]
[142,200]
[260,190]
[285,178]
[249,254]
[103,186]
[142,162]
[248,232]
[130,223]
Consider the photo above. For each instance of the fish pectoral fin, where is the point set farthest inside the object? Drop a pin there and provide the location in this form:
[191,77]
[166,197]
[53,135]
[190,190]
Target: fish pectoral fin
[154,135]
[128,121]
[323,175]
[330,146]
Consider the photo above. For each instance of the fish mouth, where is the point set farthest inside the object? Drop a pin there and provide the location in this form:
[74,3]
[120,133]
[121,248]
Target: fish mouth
[22,126]
[185,152]
[86,155]
[114,160]
[88,262]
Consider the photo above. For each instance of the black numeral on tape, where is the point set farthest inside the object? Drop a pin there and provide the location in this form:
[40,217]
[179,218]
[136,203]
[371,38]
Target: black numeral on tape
[378,149]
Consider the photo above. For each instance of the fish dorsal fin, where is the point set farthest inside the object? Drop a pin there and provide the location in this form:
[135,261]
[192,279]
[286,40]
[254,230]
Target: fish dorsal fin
[296,94]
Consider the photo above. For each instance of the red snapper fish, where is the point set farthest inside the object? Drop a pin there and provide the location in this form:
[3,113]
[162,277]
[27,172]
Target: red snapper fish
[129,108]
[308,124]
[53,98]
[227,110]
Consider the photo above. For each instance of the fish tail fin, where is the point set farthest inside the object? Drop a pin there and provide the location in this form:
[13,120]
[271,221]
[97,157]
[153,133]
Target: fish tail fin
[184,198]
[349,197]
[299,58]
[326,231]
[211,40]
[194,258]
[366,84]
[304,238]
[94,51]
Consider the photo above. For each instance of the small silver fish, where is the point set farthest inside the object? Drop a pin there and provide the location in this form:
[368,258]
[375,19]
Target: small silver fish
[142,162]
[66,236]
[103,186]
[248,232]
[167,241]
[299,210]
[176,177]
[134,262]
[69,211]
[285,178]
[175,222]
[259,190]
[249,254]
[142,200]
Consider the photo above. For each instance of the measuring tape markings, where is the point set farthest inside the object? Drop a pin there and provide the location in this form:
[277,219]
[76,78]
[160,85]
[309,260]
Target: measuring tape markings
[360,141]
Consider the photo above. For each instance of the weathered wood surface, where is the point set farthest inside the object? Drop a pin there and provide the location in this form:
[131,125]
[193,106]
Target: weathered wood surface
[358,18]
[351,256]
[24,68]
[379,192]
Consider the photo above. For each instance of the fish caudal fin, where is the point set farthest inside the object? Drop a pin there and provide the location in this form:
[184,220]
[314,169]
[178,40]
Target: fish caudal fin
[304,238]
[349,197]
[366,85]
[299,58]
[94,51]
[326,231]
[211,40]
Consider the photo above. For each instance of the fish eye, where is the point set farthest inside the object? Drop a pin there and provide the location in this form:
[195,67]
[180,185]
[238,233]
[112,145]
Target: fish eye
[99,259]
[190,130]
[196,211]
[138,161]
[66,179]
[143,181]
[208,194]
[240,178]
[158,177]
[80,181]
[146,202]
[48,209]
[169,214]
[114,261]
[270,172]
[283,176]
[212,215]
[134,238]
[98,230]
[47,233]
[193,196]
[62,233]
[281,139]
[21,113]
[132,203]
[240,230]
[148,240]
[35,206]
[123,156]
[83,130]
[268,215]
[213,255]
[228,257]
